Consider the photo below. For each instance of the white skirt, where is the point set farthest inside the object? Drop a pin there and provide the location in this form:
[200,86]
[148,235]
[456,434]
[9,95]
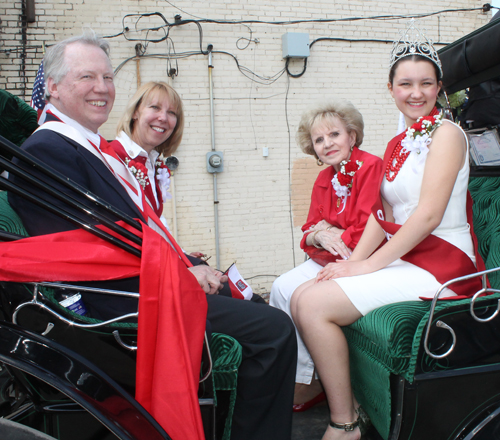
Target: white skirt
[281,294]
[399,281]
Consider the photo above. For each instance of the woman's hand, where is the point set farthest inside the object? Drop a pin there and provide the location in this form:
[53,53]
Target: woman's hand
[331,241]
[341,269]
[321,226]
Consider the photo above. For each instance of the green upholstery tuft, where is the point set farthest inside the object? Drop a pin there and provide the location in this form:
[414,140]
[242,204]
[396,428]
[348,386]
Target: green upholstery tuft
[380,344]
[388,332]
[485,192]
[226,358]
[9,220]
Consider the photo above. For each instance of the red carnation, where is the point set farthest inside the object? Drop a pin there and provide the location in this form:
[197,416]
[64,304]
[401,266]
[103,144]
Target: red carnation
[417,126]
[344,179]
[351,167]
[420,126]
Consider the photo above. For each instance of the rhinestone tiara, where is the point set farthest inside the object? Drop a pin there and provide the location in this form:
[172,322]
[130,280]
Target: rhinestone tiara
[414,42]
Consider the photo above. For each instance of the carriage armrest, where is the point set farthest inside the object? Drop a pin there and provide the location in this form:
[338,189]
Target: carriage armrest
[485,290]
[46,290]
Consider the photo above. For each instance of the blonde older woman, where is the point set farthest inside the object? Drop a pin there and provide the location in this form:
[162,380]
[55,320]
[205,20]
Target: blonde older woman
[341,202]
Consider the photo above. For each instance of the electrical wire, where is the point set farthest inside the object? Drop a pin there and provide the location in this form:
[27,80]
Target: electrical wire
[261,276]
[350,40]
[182,10]
[18,49]
[483,8]
[248,73]
[249,40]
[126,29]
[171,71]
[295,75]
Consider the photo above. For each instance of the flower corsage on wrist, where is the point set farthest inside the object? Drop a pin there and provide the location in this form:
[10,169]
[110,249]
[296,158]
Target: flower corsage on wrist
[342,181]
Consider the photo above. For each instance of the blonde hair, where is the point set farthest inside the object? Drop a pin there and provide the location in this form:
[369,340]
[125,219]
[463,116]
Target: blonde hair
[324,112]
[145,93]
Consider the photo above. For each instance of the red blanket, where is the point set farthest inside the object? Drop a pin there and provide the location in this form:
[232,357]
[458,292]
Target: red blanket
[172,312]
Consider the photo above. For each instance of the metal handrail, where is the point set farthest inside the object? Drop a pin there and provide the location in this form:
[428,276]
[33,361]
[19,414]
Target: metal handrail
[35,302]
[485,289]
[116,333]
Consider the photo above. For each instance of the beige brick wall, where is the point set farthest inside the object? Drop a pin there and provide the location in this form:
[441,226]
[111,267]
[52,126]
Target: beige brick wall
[263,200]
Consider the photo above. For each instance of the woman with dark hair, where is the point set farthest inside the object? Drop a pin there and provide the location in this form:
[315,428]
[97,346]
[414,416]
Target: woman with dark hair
[341,202]
[423,212]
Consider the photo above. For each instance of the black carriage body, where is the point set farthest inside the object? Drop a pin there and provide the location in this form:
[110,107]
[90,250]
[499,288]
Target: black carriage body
[451,397]
[59,384]
[35,400]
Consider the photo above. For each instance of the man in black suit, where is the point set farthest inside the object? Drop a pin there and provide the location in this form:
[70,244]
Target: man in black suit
[80,93]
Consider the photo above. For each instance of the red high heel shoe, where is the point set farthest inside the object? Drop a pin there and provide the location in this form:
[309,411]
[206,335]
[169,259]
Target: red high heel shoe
[300,407]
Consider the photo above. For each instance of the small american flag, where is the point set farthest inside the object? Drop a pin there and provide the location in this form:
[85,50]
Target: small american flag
[38,95]
[239,287]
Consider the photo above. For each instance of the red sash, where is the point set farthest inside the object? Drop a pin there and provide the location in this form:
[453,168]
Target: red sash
[437,256]
[172,312]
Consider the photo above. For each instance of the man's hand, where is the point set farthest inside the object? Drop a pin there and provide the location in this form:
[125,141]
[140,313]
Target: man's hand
[197,254]
[209,279]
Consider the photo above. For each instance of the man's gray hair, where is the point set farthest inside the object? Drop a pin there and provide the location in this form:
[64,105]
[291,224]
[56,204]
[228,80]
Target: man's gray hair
[54,65]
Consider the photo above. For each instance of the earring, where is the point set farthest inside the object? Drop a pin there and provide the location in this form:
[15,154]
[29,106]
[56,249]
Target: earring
[319,162]
[352,147]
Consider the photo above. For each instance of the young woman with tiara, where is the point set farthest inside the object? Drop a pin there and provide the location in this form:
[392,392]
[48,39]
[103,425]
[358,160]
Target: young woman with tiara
[424,214]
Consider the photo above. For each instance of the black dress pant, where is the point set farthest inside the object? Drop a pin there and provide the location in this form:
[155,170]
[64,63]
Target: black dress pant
[266,377]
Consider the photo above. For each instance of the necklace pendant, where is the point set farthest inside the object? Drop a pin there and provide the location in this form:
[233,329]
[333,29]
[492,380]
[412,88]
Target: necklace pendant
[338,202]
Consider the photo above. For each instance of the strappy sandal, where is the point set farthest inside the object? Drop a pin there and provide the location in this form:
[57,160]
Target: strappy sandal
[345,426]
[364,420]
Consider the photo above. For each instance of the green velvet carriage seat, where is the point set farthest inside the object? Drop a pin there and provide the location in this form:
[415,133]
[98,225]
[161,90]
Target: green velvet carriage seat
[386,342]
[9,220]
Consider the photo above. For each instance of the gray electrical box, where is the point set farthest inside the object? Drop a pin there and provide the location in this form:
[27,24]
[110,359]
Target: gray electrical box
[215,162]
[295,45]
